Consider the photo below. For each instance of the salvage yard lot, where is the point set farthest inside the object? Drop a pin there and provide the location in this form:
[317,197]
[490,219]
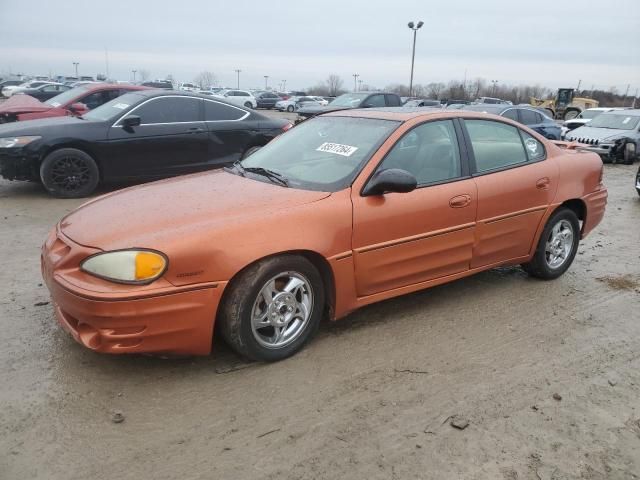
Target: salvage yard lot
[371,397]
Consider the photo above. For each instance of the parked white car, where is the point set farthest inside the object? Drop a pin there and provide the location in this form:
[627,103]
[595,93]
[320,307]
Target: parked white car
[189,87]
[10,90]
[320,100]
[583,118]
[292,104]
[242,98]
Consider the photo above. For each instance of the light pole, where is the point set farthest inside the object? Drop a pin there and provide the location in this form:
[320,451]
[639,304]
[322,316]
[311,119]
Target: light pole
[355,82]
[266,81]
[238,72]
[495,86]
[134,74]
[415,29]
[75,64]
[284,85]
[359,84]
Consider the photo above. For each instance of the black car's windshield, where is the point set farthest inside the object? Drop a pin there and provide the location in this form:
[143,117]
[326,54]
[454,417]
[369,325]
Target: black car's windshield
[615,120]
[324,153]
[67,96]
[113,108]
[349,100]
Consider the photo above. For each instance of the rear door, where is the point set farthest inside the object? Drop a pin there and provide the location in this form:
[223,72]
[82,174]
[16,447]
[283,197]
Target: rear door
[515,184]
[229,132]
[172,139]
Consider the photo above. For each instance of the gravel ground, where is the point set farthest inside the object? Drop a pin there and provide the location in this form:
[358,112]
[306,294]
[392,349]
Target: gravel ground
[497,376]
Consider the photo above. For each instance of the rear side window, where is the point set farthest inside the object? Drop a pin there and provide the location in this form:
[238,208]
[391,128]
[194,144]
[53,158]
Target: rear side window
[495,145]
[392,101]
[512,114]
[374,101]
[169,110]
[535,150]
[529,117]
[216,112]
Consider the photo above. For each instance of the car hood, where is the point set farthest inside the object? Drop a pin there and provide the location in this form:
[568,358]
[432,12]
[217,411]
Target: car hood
[582,134]
[23,104]
[155,214]
[35,127]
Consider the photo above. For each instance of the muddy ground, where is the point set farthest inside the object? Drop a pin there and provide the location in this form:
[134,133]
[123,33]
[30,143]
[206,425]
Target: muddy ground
[372,397]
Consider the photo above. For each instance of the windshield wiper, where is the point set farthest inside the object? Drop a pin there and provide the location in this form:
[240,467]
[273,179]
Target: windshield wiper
[265,172]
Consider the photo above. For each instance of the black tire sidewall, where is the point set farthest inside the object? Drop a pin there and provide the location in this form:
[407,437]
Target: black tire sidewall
[628,157]
[290,109]
[50,160]
[237,310]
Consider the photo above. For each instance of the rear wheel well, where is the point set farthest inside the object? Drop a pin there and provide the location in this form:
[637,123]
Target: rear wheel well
[578,207]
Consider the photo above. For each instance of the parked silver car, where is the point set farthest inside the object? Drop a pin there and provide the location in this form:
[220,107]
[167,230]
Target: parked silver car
[293,103]
[615,135]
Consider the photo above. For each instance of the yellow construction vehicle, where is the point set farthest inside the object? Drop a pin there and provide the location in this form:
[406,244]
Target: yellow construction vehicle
[565,106]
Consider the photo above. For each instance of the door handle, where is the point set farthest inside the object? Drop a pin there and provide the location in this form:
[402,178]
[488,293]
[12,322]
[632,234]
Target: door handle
[196,130]
[460,201]
[543,183]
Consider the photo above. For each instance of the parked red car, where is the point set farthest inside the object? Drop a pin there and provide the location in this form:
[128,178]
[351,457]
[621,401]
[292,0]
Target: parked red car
[76,101]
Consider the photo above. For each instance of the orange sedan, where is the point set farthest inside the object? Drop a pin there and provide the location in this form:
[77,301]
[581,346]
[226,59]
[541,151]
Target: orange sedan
[344,210]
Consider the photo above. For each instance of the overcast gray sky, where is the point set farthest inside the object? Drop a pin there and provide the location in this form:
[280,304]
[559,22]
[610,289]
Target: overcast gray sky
[553,43]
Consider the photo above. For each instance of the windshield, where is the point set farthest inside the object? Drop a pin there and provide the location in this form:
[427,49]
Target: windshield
[324,153]
[615,121]
[590,114]
[349,99]
[66,97]
[113,108]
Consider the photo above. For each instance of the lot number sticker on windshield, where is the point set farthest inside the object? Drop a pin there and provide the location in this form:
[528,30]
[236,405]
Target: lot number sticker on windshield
[337,148]
[120,106]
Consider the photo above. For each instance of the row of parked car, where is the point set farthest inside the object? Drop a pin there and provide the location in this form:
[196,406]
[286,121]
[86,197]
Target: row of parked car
[101,132]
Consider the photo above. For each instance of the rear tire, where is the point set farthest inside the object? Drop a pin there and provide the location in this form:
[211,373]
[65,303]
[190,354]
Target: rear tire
[272,308]
[290,108]
[557,246]
[69,173]
[248,104]
[629,153]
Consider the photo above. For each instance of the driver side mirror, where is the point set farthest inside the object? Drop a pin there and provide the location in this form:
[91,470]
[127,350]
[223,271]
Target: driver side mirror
[78,108]
[391,180]
[131,121]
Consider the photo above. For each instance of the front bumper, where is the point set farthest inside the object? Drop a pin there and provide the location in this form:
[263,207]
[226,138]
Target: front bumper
[172,320]
[16,164]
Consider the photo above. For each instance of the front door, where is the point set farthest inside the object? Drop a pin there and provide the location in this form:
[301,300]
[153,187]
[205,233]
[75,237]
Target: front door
[515,186]
[401,239]
[172,139]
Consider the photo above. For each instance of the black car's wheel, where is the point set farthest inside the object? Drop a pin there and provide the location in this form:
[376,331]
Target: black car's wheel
[273,308]
[638,181]
[69,173]
[249,151]
[557,246]
[290,108]
[629,153]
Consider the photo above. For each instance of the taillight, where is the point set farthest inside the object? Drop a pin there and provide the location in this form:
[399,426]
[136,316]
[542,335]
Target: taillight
[287,127]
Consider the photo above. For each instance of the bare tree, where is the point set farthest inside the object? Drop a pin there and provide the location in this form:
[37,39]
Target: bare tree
[434,89]
[334,85]
[205,79]
[144,75]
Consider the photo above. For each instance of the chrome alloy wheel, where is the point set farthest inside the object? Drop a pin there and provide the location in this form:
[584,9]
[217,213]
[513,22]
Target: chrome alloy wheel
[559,244]
[282,310]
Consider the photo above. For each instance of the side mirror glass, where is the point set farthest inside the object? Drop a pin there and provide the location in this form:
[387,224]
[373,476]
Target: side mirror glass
[131,121]
[391,180]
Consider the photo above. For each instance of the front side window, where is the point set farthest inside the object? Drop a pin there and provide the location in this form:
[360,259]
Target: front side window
[512,114]
[169,110]
[393,101]
[323,153]
[495,145]
[429,152]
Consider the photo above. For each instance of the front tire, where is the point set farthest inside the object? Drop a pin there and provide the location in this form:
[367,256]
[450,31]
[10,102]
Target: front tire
[290,108]
[557,246]
[629,153]
[273,308]
[69,173]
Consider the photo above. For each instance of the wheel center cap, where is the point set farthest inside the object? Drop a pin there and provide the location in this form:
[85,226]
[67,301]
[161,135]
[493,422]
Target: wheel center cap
[281,309]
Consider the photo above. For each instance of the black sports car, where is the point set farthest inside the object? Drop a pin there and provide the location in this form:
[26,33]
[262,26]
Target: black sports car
[143,135]
[45,92]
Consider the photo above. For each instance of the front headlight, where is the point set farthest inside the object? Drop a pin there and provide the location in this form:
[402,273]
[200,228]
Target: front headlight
[10,142]
[126,266]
